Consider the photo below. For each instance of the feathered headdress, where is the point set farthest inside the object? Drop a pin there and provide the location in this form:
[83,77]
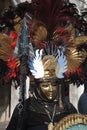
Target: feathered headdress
[57,26]
[53,24]
[48,63]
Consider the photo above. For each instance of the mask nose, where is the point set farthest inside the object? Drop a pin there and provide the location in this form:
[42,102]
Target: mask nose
[50,87]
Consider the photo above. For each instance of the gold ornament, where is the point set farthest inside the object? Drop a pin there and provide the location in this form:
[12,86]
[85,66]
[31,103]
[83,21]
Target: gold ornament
[70,120]
[39,33]
[74,58]
[50,126]
[5,47]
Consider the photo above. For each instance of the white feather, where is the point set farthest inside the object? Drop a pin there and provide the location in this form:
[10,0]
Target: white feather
[62,62]
[36,65]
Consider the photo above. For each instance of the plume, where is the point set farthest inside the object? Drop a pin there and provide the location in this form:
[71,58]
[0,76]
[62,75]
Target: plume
[23,40]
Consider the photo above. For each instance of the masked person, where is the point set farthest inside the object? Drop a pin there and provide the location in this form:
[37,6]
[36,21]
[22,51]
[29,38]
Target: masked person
[46,106]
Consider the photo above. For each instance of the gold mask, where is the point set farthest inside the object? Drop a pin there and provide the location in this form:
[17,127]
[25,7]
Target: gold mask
[49,89]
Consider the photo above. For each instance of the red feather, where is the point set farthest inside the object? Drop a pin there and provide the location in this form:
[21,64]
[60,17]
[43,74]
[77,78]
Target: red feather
[14,36]
[13,66]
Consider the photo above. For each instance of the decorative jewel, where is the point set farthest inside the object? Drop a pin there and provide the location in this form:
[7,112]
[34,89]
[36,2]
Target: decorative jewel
[50,126]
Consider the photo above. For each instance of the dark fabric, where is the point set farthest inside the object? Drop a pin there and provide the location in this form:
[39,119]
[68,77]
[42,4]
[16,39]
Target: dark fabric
[35,117]
[82,104]
[40,127]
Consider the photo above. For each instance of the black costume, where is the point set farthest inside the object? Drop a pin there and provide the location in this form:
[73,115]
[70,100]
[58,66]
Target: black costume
[82,103]
[35,114]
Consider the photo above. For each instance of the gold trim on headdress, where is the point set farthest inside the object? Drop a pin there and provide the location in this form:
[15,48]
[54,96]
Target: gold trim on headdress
[49,63]
[74,58]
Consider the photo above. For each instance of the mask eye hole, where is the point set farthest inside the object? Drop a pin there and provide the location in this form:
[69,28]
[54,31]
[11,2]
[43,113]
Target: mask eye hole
[44,86]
